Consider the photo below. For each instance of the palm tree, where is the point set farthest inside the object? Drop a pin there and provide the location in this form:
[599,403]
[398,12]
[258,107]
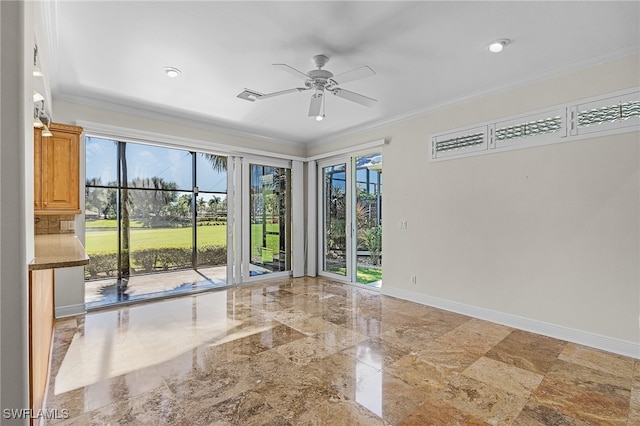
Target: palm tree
[124,263]
[218,162]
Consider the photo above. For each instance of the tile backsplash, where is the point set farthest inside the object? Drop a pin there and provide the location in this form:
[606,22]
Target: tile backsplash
[51,224]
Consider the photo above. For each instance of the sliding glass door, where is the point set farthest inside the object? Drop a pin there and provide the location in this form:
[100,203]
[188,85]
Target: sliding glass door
[335,226]
[269,230]
[351,221]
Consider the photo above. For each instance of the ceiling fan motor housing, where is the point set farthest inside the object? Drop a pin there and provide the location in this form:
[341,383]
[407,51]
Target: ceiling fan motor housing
[319,78]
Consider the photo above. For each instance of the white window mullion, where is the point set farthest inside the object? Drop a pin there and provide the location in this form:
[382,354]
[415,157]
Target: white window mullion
[297,196]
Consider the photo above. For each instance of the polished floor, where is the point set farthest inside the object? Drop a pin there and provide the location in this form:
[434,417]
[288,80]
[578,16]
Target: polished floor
[309,351]
[145,287]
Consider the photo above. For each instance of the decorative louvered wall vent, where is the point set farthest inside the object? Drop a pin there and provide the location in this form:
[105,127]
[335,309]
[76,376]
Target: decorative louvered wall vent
[532,128]
[610,114]
[460,142]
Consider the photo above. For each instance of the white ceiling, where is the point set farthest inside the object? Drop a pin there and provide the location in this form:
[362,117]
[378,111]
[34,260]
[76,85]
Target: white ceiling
[424,54]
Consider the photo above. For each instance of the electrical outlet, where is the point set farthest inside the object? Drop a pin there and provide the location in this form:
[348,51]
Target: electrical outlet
[67,225]
[403,224]
[413,279]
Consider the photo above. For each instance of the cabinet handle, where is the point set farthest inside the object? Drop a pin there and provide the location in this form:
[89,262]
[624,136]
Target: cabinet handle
[45,203]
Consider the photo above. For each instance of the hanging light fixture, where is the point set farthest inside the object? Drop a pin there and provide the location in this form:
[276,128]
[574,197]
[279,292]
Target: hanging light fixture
[37,72]
[37,123]
[46,121]
[37,96]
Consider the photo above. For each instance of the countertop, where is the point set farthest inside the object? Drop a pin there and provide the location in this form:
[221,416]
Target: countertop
[58,251]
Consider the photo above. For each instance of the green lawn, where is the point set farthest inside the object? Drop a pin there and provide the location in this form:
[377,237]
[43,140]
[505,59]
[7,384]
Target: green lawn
[144,238]
[106,241]
[109,223]
[363,275]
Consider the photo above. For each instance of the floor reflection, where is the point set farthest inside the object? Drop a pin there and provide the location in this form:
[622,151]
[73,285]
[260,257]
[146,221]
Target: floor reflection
[109,292]
[312,351]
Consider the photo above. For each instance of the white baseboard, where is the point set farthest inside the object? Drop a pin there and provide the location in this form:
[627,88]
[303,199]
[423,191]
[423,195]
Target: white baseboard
[70,310]
[609,344]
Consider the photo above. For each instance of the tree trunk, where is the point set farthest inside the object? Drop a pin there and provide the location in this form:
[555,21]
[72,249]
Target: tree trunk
[125,263]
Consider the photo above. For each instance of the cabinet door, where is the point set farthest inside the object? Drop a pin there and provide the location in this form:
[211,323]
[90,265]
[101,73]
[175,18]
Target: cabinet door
[60,171]
[37,169]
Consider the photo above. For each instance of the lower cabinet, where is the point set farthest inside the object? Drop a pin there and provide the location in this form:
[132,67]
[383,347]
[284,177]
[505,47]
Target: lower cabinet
[40,333]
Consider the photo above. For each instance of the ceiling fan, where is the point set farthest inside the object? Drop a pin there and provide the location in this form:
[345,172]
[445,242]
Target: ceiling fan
[320,81]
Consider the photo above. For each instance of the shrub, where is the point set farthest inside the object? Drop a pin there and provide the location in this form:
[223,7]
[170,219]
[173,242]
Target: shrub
[145,258]
[212,255]
[373,241]
[101,263]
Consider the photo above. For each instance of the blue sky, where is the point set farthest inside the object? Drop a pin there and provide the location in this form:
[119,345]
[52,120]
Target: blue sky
[146,161]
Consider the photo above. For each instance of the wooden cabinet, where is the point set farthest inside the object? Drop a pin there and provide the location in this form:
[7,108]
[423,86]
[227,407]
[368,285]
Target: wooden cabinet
[57,170]
[40,333]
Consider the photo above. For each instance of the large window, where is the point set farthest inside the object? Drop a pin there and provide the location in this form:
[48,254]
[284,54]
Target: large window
[152,209]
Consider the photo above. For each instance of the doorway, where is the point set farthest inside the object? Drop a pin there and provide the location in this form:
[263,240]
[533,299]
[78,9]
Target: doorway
[350,237]
[268,241]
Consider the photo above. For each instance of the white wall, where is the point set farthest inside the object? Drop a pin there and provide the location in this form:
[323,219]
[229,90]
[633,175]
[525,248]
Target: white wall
[16,192]
[545,238]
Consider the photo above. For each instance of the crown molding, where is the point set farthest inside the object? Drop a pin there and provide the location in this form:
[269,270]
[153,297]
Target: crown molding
[492,90]
[175,118]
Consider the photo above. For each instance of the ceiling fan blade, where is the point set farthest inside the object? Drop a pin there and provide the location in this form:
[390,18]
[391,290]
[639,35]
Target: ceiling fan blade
[354,97]
[352,75]
[252,95]
[316,104]
[249,95]
[291,70]
[283,92]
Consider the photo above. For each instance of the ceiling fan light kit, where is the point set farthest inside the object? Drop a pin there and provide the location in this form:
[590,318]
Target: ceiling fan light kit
[321,81]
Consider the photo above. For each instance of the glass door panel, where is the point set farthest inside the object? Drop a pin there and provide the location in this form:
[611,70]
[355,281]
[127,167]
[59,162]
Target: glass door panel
[270,219]
[334,194]
[351,228]
[368,219]
[211,215]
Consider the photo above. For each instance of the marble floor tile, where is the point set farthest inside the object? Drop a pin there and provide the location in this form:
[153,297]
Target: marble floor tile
[375,353]
[634,404]
[390,397]
[504,376]
[481,400]
[599,360]
[579,403]
[311,351]
[437,413]
[526,350]
[476,336]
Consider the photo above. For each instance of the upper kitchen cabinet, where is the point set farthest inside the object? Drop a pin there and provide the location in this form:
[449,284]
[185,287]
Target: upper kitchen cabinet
[57,170]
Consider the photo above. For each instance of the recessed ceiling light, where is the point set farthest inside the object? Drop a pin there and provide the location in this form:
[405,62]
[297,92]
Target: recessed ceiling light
[498,45]
[172,72]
